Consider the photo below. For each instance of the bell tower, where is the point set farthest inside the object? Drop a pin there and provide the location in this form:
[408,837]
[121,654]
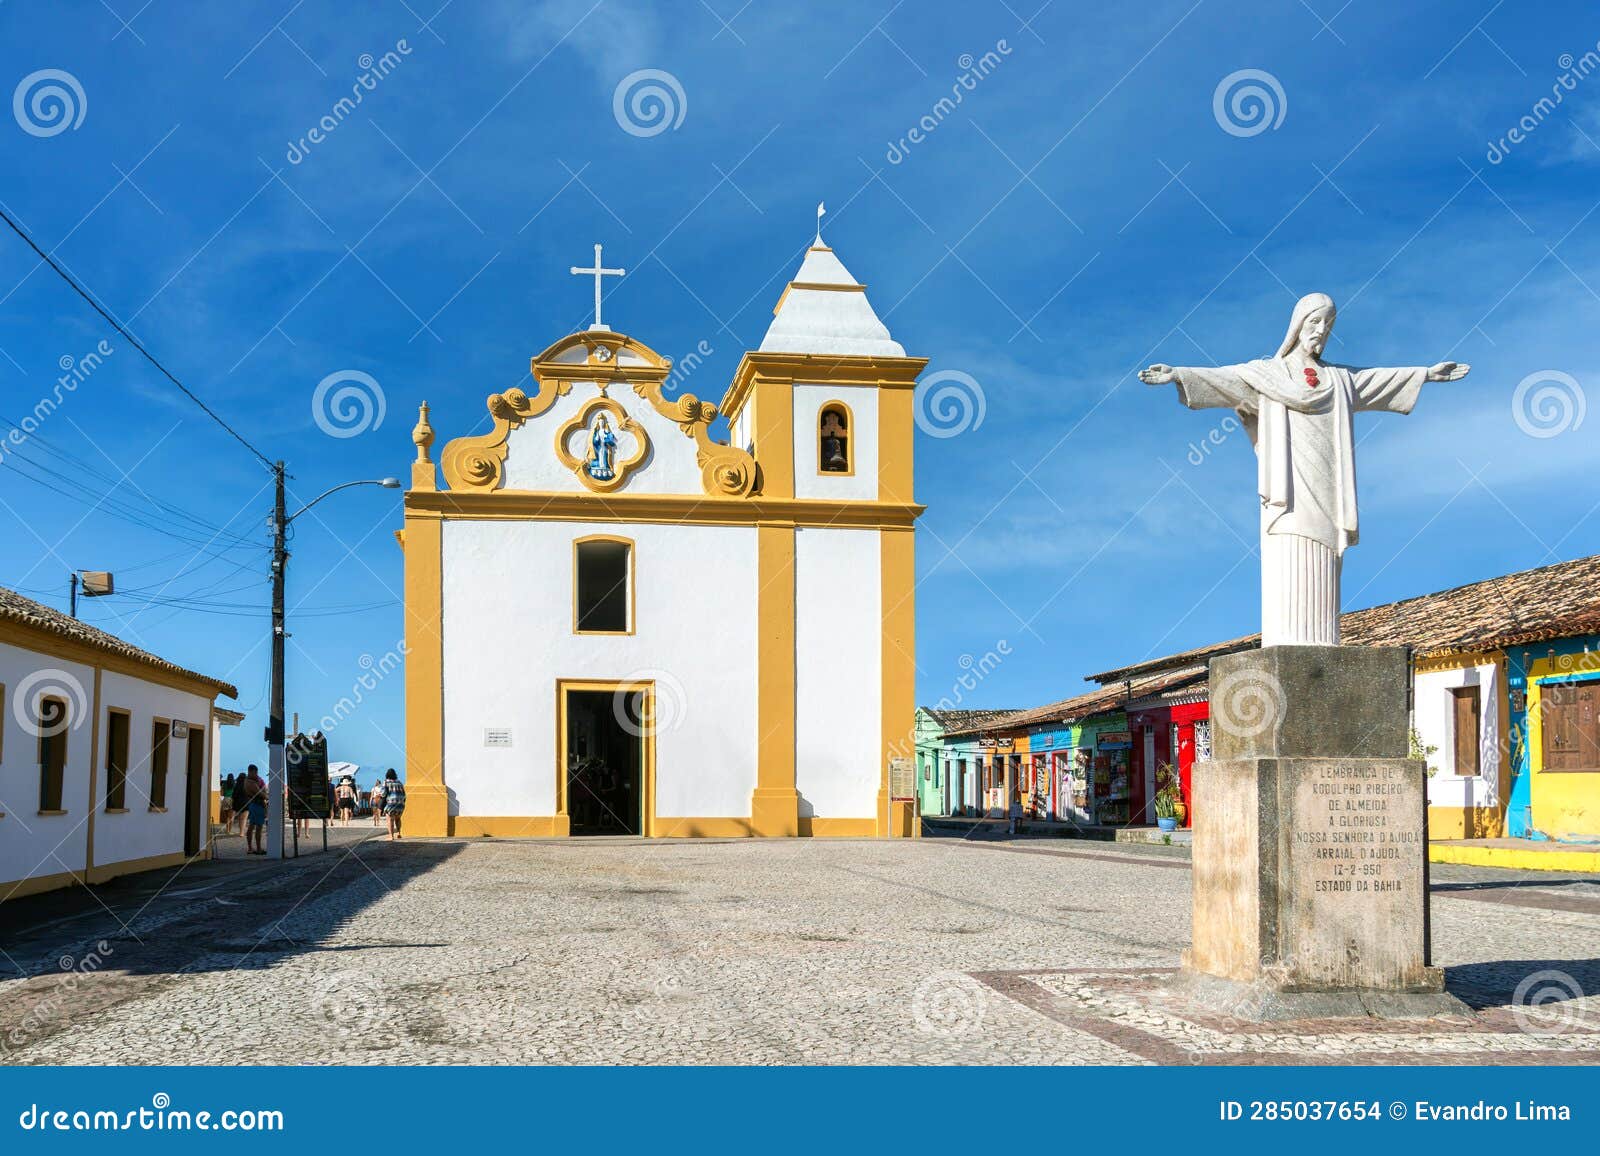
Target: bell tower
[825,407]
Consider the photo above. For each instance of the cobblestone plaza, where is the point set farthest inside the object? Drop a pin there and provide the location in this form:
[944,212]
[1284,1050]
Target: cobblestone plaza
[741,951]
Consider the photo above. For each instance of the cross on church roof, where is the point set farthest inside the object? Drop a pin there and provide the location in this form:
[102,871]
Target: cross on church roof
[597,272]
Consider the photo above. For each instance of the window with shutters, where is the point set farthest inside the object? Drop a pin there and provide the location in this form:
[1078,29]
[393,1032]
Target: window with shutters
[1567,722]
[160,732]
[117,723]
[1467,707]
[54,722]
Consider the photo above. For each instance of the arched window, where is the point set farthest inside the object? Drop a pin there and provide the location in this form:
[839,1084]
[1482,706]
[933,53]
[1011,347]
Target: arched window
[833,439]
[602,585]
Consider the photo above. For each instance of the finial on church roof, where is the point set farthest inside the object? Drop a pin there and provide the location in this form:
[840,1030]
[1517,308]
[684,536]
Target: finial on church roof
[817,244]
[422,472]
[597,272]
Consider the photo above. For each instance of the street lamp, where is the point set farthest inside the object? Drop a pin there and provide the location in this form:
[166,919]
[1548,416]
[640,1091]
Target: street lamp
[275,737]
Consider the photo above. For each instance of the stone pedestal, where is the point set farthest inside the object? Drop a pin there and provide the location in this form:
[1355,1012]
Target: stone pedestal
[1310,848]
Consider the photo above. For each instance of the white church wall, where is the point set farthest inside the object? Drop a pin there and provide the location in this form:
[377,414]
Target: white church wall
[532,464]
[143,833]
[508,637]
[838,675]
[32,844]
[809,481]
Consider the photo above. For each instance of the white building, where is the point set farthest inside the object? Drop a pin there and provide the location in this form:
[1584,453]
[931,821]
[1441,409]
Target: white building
[617,624]
[104,761]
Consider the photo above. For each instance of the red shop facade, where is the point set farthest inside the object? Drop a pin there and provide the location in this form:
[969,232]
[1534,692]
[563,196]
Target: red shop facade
[1170,728]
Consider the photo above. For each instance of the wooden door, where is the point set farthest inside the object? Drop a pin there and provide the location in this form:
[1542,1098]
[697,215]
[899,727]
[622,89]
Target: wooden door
[1468,713]
[1568,723]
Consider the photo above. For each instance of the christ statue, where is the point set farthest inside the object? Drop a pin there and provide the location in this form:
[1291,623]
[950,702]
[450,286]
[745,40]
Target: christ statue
[1297,409]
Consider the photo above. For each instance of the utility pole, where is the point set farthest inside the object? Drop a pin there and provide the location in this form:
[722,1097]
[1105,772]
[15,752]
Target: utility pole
[74,588]
[277,765]
[276,768]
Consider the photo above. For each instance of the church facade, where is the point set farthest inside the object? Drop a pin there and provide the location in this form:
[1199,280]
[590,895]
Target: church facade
[619,623]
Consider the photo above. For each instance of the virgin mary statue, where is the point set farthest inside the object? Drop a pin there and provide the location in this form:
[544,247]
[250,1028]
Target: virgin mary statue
[602,450]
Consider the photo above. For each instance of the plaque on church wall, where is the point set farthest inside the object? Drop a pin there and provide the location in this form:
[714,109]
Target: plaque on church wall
[902,778]
[497,736]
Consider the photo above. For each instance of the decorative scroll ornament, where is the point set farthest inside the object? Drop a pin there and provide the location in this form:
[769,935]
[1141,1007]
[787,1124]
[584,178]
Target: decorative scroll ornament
[478,463]
[724,469]
[601,358]
[598,466]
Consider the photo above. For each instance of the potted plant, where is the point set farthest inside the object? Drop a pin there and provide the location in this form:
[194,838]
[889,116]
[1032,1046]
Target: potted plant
[1168,798]
[1167,776]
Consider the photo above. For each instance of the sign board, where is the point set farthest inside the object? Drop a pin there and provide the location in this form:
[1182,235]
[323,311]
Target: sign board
[307,759]
[1113,738]
[497,736]
[902,778]
[97,583]
[180,729]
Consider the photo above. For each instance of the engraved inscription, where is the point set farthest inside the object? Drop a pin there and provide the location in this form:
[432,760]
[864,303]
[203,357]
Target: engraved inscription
[1353,840]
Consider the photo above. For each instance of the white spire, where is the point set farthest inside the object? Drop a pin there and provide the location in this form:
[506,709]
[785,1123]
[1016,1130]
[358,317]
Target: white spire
[825,310]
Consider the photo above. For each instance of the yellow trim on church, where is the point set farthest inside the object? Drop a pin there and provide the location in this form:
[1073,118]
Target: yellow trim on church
[741,489]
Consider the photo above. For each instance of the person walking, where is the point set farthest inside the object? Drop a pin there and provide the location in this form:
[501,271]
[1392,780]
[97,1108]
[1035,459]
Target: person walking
[394,802]
[241,796]
[347,799]
[375,801]
[255,812]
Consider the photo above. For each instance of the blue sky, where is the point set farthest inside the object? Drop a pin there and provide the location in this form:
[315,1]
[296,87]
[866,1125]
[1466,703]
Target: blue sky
[1082,212]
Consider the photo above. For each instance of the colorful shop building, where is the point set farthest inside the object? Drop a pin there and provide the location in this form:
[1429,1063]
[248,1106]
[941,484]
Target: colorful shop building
[1505,691]
[1080,761]
[1555,741]
[1505,701]
[948,772]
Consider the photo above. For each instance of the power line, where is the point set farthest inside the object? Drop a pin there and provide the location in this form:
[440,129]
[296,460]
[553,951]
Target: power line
[133,341]
[160,505]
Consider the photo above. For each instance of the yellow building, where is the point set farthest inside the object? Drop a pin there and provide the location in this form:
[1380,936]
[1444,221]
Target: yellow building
[620,622]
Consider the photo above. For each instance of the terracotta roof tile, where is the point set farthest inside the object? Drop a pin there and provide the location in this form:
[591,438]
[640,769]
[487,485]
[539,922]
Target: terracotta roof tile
[26,612]
[1558,601]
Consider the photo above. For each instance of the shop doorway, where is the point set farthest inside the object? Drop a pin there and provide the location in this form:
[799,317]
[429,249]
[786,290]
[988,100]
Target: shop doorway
[605,734]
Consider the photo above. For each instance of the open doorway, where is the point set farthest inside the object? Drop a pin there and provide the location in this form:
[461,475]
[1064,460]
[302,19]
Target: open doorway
[196,811]
[606,773]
